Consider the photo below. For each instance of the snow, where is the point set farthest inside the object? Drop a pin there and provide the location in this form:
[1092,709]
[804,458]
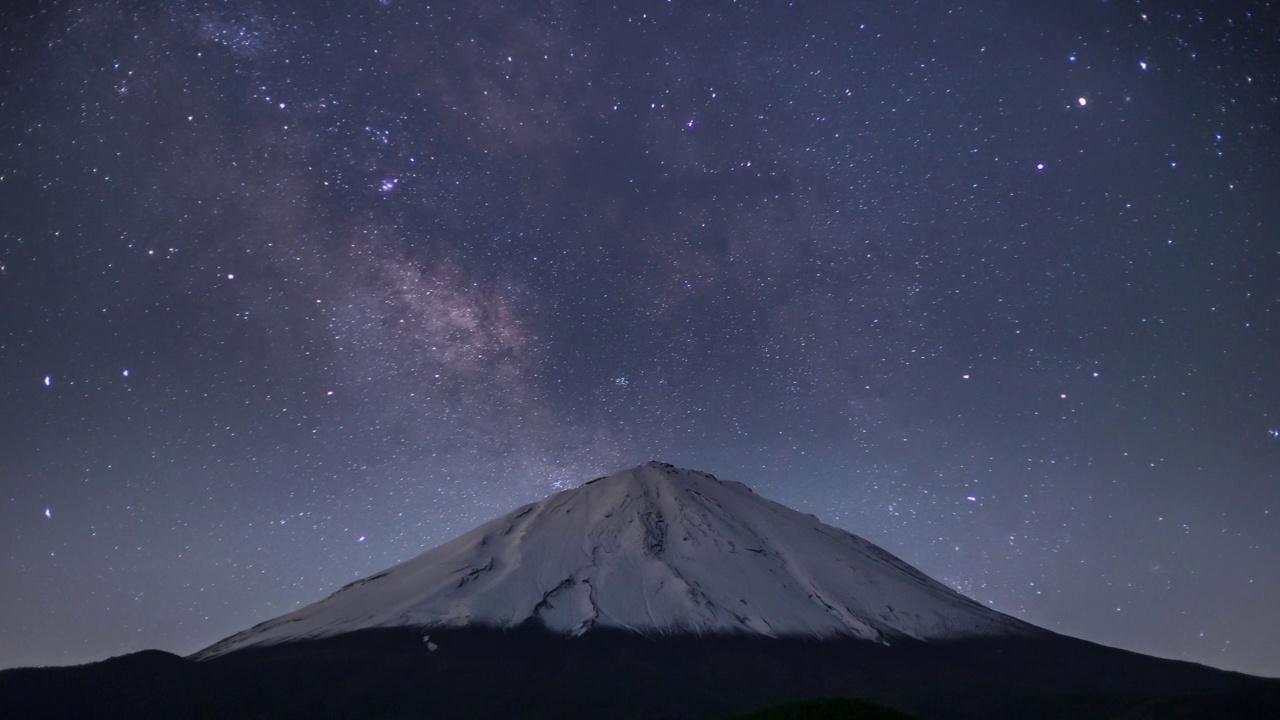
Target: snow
[654,550]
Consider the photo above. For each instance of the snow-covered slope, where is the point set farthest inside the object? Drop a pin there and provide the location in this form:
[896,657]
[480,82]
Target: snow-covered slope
[654,549]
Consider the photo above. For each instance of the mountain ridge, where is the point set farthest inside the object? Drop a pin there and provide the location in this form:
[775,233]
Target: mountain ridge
[657,593]
[652,549]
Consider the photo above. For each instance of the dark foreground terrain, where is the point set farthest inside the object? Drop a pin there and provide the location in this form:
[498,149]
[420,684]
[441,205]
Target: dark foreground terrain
[528,673]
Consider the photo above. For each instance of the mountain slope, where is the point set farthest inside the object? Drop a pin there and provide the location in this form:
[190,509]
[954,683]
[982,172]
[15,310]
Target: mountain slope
[652,550]
[481,673]
[654,593]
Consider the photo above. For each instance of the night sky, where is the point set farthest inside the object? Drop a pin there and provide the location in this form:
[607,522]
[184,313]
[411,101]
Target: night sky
[291,292]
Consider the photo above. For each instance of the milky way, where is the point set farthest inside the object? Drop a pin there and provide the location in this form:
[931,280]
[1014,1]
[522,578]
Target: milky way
[292,292]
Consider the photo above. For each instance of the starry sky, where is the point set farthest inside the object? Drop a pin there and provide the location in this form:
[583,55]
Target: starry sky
[291,292]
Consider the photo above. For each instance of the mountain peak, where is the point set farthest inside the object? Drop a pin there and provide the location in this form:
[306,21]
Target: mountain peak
[654,549]
[656,469]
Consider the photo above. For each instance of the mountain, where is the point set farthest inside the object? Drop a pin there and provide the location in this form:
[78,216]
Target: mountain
[651,550]
[652,593]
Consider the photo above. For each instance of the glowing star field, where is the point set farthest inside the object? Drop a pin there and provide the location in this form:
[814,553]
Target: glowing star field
[293,292]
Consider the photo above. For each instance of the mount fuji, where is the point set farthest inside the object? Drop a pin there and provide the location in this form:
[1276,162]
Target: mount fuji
[655,592]
[651,550]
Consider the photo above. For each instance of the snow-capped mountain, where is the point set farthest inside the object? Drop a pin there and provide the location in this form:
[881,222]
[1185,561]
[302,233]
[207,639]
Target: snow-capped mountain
[654,550]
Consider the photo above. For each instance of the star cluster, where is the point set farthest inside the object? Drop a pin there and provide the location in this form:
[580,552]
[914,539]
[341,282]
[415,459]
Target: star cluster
[292,292]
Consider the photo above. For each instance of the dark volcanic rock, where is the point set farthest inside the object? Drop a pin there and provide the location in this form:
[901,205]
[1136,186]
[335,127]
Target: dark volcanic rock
[147,684]
[531,673]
